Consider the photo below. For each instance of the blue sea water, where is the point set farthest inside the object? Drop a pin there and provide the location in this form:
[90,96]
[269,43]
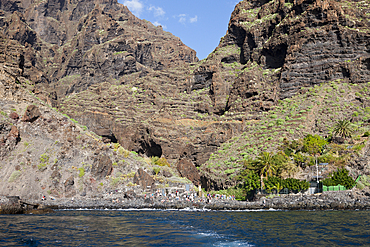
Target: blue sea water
[187,228]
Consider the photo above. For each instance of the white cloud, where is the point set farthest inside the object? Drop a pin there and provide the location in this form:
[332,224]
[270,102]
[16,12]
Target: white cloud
[156,23]
[135,6]
[158,11]
[194,19]
[182,18]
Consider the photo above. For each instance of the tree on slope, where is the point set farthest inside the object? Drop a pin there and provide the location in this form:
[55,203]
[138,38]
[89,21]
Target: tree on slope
[343,128]
[266,165]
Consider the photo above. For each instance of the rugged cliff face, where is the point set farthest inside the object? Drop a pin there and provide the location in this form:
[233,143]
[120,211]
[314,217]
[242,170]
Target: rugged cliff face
[276,50]
[87,42]
[44,153]
[133,83]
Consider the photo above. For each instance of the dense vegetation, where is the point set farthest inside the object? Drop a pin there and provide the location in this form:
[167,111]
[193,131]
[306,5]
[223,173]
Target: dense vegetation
[328,110]
[269,171]
[340,177]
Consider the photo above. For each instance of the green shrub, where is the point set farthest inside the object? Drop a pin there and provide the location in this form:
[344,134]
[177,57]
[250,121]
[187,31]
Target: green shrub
[339,177]
[251,180]
[82,172]
[44,158]
[229,171]
[156,170]
[14,176]
[313,144]
[365,180]
[115,181]
[291,184]
[360,185]
[123,152]
[44,161]
[160,161]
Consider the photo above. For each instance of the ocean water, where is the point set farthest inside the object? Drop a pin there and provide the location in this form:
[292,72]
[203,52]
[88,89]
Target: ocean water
[187,228]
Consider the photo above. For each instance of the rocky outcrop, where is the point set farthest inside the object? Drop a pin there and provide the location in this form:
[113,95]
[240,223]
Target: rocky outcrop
[102,167]
[143,179]
[9,138]
[14,116]
[32,114]
[69,187]
[309,42]
[189,171]
[87,42]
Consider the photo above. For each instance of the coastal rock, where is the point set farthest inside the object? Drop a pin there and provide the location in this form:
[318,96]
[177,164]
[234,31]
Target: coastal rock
[188,170]
[143,179]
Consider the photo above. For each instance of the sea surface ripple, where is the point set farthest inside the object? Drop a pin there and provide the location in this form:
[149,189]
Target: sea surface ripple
[187,228]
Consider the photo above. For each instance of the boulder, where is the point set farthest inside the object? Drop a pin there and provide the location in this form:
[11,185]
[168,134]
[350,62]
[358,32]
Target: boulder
[32,114]
[102,167]
[9,138]
[14,134]
[14,116]
[55,177]
[166,174]
[143,179]
[69,186]
[187,169]
[130,194]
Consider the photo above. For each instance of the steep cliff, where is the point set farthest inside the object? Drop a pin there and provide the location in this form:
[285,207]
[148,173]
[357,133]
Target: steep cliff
[277,50]
[44,153]
[133,83]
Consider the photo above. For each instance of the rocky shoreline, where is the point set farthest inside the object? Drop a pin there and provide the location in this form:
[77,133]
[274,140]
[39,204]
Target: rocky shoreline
[344,200]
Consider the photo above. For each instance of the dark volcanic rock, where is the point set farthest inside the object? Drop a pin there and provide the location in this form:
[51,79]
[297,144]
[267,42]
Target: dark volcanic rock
[144,179]
[9,138]
[188,170]
[166,174]
[69,187]
[32,114]
[102,166]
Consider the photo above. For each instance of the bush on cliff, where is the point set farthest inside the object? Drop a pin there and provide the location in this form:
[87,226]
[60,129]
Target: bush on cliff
[292,184]
[339,177]
[160,161]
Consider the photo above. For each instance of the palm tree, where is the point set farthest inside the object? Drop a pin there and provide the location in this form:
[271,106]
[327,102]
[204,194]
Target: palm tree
[343,128]
[266,165]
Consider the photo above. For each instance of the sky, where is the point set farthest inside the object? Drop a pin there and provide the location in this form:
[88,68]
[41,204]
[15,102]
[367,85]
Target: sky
[199,24]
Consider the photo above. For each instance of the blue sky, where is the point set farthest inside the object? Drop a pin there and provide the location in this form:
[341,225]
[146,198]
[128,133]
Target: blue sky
[200,24]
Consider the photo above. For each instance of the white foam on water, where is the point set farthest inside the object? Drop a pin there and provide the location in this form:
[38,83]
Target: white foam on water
[222,240]
[233,243]
[209,234]
[171,209]
[247,210]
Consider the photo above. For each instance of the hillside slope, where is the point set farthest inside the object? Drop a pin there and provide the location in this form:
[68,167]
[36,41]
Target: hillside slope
[45,153]
[133,83]
[278,51]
